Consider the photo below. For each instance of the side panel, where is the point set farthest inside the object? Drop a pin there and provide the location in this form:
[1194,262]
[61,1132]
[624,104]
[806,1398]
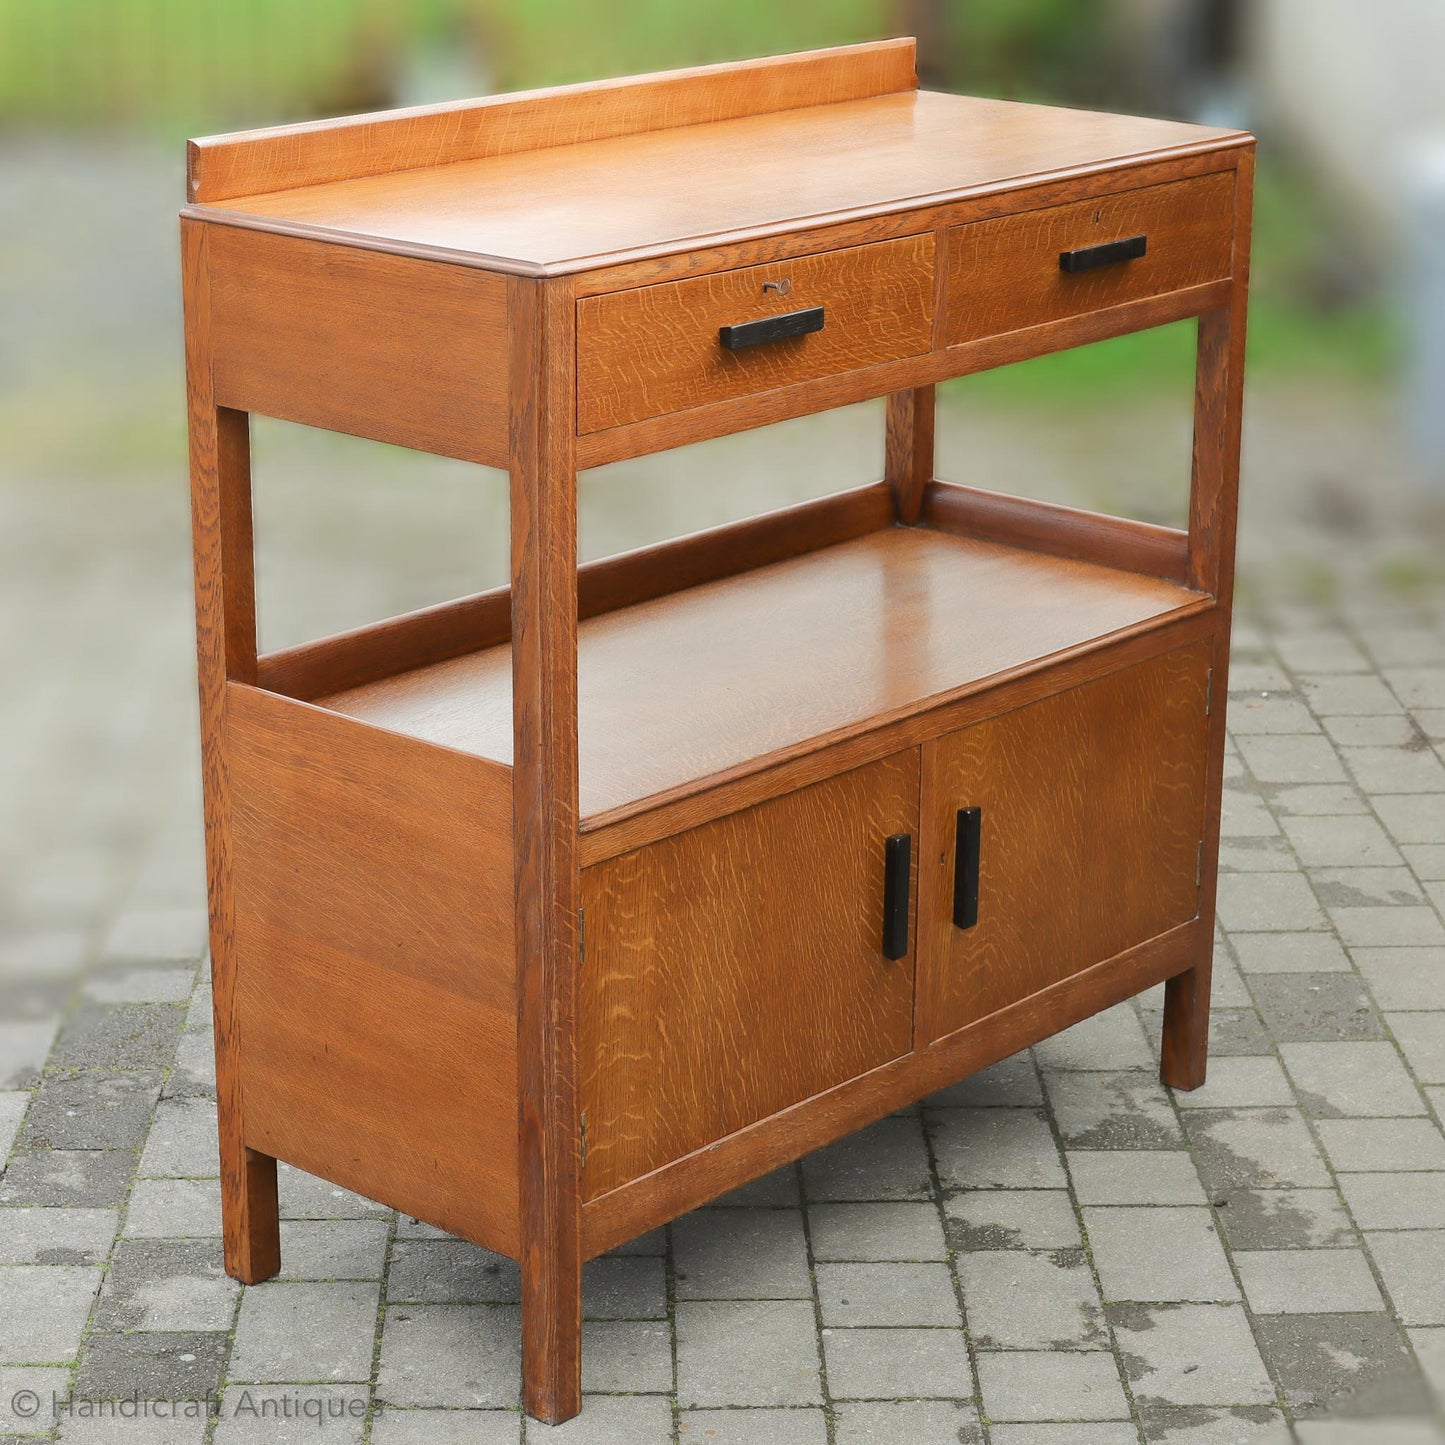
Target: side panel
[376,987]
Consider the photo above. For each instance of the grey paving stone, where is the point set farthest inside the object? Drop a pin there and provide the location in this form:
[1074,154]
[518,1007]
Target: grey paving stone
[1298,1007]
[1436,1097]
[1158,1254]
[1190,1354]
[980,1219]
[1395,1201]
[1076,1432]
[776,1190]
[870,1364]
[918,1422]
[1360,694]
[305,1332]
[1283,1219]
[1297,758]
[609,1420]
[304,1196]
[1255,1149]
[1363,731]
[33,1389]
[1244,814]
[1388,925]
[1351,1080]
[333,1248]
[174,1209]
[130,983]
[1215,1425]
[13,1104]
[995,1149]
[741,1254]
[170,1285]
[1341,1364]
[450,1271]
[1320,651]
[887,1294]
[803,1425]
[1134,1177]
[56,1236]
[1307,1281]
[1412,1264]
[1020,1300]
[627,1355]
[71,1178]
[1421,1037]
[1265,902]
[154,1365]
[1113,1111]
[654,1242]
[1314,799]
[92,1111]
[1057,1385]
[1395,770]
[291,1414]
[747,1352]
[43,1309]
[1429,1345]
[1238,1082]
[1012,1083]
[1257,855]
[902,1231]
[1247,676]
[624,1287]
[1403,978]
[155,933]
[1427,859]
[1373,1432]
[1411,819]
[887,1160]
[458,1356]
[182,1141]
[118,1036]
[1108,1042]
[194,1074]
[1375,1145]
[1249,715]
[456,1427]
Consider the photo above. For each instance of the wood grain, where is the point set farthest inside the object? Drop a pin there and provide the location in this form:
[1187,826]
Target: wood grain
[737,969]
[282,157]
[224,573]
[382,347]
[645,352]
[375,981]
[1092,804]
[681,692]
[1004,275]
[908,450]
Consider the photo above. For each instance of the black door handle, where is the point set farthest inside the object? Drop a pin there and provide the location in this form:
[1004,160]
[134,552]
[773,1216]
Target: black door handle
[965,867]
[771,328]
[897,871]
[1111,253]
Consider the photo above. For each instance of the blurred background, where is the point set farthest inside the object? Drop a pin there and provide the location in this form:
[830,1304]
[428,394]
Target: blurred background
[100,854]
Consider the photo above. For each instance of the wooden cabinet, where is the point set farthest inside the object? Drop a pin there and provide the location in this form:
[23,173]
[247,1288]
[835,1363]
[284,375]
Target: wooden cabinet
[549,913]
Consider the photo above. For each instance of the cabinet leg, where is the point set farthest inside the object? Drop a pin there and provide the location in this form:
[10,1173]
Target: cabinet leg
[1184,1049]
[552,1338]
[250,1213]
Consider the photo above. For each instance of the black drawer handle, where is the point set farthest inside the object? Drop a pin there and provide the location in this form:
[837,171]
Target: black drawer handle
[771,328]
[897,868]
[965,868]
[1111,253]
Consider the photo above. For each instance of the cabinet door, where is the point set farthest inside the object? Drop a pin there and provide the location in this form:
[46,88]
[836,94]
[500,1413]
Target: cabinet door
[1091,807]
[738,968]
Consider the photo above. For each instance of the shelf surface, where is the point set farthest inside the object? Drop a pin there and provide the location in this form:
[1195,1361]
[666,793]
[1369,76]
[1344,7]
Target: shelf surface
[740,671]
[560,207]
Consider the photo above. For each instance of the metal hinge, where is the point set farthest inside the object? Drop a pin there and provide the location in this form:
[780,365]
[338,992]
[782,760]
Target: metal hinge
[1199,864]
[582,1160]
[1209,692]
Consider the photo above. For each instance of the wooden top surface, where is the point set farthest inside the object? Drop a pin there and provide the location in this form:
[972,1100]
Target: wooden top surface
[573,206]
[704,682]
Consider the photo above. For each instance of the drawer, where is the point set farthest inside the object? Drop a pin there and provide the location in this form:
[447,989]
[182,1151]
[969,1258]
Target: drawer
[1010,273]
[658,349]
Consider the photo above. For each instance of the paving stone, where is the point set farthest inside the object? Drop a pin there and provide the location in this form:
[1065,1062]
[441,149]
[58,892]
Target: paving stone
[1395,770]
[1390,925]
[1134,1177]
[1373,1145]
[174,1209]
[1395,1201]
[1020,1300]
[1012,1083]
[333,1248]
[1283,1218]
[1264,902]
[980,1219]
[69,1178]
[804,1425]
[182,1142]
[1307,1281]
[747,1352]
[13,1104]
[170,1285]
[654,1242]
[1076,1432]
[1372,1432]
[995,1149]
[1214,1425]
[92,1111]
[1314,799]
[887,1294]
[624,1287]
[450,1271]
[1351,1080]
[1298,758]
[43,1309]
[1421,1037]
[918,1422]
[1403,978]
[1320,651]
[27,1398]
[476,1427]
[24,1047]
[56,1236]
[1059,1385]
[1238,1082]
[118,1036]
[1412,1264]
[870,1364]
[1158,1254]
[154,934]
[876,1232]
[1257,855]
[630,1355]
[778,1190]
[305,1332]
[1366,887]
[741,1254]
[1378,730]
[887,1160]
[1258,714]
[610,1420]
[1244,814]
[1411,819]
[194,1074]
[1429,1346]
[465,1356]
[1299,1007]
[1341,1364]
[158,1364]
[1108,1042]
[1360,694]
[1427,859]
[291,1414]
[1254,1149]
[1113,1111]
[1163,1346]
[1436,1097]
[1251,676]
[304,1196]
[110,983]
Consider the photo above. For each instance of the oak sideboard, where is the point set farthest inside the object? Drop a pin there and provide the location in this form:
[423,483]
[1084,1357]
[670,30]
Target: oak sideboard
[549,913]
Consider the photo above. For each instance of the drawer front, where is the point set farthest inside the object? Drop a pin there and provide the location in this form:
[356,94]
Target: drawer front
[657,349]
[743,966]
[1008,274]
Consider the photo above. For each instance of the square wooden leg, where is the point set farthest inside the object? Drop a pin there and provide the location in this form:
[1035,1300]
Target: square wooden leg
[1184,1048]
[250,1213]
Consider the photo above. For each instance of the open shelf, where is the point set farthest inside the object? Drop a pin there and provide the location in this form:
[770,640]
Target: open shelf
[735,672]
